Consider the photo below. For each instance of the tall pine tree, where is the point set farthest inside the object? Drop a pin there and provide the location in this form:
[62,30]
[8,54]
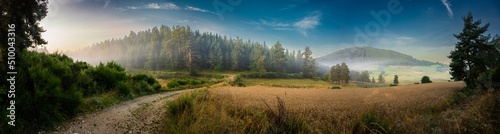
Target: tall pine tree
[468,59]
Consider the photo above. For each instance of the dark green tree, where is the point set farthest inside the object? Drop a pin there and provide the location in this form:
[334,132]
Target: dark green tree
[426,79]
[25,15]
[373,79]
[469,59]
[396,81]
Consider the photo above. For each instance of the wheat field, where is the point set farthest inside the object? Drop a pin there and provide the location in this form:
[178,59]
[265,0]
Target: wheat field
[408,108]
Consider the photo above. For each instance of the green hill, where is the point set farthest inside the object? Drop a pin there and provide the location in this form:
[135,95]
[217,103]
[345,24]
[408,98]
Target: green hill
[363,57]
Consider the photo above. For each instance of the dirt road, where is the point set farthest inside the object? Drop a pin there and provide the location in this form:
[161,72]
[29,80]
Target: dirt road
[141,115]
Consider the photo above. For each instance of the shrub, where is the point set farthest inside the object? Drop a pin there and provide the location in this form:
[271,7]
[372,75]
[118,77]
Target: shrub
[426,79]
[124,88]
[50,93]
[393,85]
[174,83]
[335,87]
[370,122]
[325,77]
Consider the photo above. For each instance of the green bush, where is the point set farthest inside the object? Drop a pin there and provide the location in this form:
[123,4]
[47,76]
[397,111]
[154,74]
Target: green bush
[124,88]
[370,122]
[325,77]
[174,83]
[426,79]
[336,87]
[107,76]
[47,92]
[51,89]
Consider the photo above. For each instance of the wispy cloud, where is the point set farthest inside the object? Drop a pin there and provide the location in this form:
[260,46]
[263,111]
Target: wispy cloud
[192,8]
[195,9]
[302,25]
[160,6]
[308,22]
[447,4]
[404,38]
[273,23]
[288,7]
[106,3]
[167,6]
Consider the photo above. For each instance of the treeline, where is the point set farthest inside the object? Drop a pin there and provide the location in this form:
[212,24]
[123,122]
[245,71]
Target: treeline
[52,88]
[340,74]
[180,48]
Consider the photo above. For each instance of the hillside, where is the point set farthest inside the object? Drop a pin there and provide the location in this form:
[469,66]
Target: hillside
[180,48]
[360,57]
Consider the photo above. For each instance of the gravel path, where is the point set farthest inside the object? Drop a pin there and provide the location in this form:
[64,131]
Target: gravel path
[141,115]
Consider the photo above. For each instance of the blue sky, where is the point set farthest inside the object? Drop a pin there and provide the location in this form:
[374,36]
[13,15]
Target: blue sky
[421,28]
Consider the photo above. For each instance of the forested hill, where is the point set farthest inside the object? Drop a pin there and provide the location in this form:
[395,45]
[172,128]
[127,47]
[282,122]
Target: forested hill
[179,48]
[368,56]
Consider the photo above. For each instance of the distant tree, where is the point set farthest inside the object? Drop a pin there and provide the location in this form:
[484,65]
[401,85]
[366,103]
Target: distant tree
[236,55]
[426,79]
[373,79]
[216,58]
[396,81]
[364,76]
[278,58]
[258,60]
[335,73]
[344,73]
[381,78]
[326,77]
[470,56]
[299,61]
[309,66]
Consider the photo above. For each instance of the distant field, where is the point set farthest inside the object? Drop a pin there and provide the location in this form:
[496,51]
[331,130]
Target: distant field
[338,110]
[293,83]
[411,74]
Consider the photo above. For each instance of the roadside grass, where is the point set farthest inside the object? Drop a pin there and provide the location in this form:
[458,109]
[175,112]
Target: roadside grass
[99,102]
[200,112]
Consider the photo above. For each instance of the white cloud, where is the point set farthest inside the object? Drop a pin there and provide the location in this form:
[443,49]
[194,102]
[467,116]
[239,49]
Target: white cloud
[160,6]
[195,9]
[304,24]
[273,23]
[106,3]
[404,38]
[166,6]
[447,4]
[308,22]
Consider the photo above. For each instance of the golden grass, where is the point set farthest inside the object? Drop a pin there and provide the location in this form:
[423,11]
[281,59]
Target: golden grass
[325,110]
[293,83]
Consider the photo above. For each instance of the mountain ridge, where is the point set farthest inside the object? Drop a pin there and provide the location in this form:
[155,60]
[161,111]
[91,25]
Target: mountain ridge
[360,57]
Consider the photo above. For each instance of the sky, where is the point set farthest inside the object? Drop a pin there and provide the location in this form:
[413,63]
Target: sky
[421,28]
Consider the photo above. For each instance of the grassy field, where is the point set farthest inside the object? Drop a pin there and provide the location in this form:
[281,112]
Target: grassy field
[411,74]
[293,83]
[262,109]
